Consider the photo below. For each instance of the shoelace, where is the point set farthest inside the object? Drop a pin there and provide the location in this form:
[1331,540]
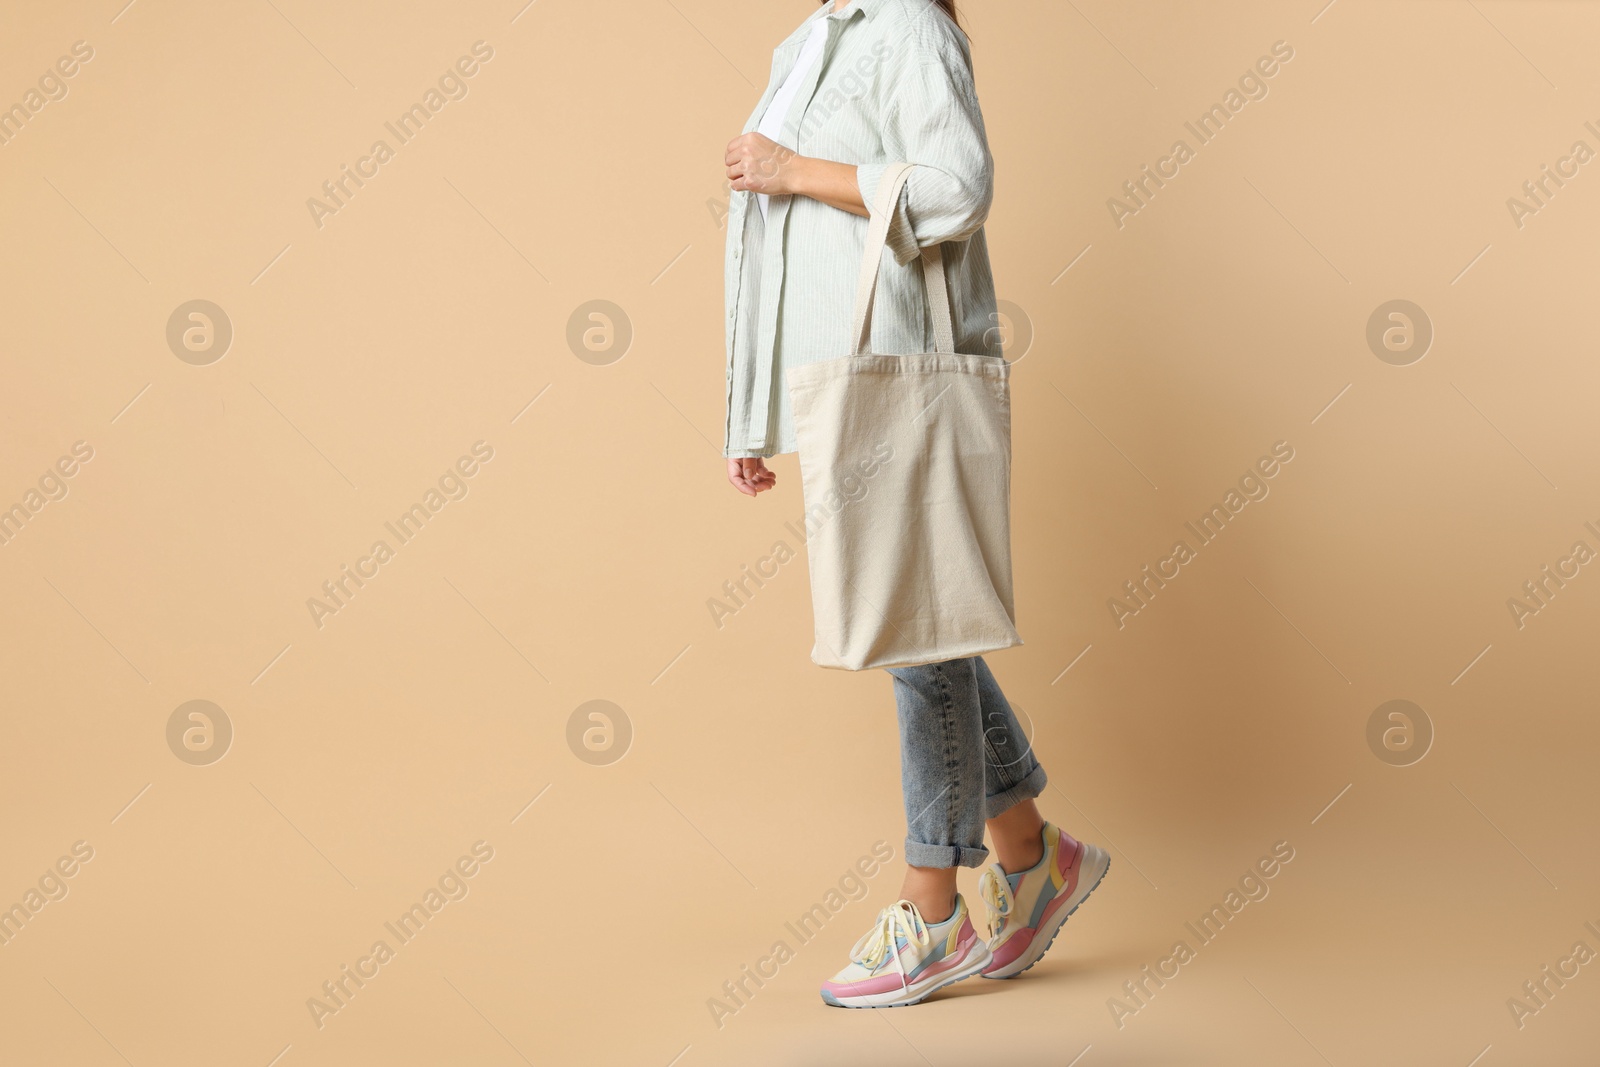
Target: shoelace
[995,889]
[879,942]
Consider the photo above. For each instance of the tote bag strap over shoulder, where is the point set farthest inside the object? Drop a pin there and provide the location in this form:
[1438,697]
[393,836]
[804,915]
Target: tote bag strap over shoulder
[889,186]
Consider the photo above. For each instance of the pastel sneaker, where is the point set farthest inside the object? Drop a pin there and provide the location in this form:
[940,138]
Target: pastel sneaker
[902,959]
[1027,909]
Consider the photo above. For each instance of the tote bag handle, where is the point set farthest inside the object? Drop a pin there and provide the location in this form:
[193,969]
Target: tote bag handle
[889,186]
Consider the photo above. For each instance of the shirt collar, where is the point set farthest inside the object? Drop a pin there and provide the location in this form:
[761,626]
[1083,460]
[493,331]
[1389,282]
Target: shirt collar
[869,7]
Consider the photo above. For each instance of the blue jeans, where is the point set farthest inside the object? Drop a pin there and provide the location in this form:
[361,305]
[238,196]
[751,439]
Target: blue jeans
[963,759]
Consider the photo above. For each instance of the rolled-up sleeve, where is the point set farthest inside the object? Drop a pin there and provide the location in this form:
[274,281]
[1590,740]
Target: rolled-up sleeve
[932,120]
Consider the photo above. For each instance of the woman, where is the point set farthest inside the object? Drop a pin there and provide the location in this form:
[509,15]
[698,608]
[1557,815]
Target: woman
[860,85]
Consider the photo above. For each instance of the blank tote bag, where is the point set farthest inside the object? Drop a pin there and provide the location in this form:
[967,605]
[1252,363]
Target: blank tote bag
[906,469]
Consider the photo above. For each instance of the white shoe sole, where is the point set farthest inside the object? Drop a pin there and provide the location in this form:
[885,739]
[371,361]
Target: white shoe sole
[1091,872]
[979,958]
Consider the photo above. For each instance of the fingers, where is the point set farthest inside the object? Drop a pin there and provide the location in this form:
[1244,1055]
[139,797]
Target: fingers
[737,479]
[744,161]
[750,476]
[756,473]
[748,140]
[737,147]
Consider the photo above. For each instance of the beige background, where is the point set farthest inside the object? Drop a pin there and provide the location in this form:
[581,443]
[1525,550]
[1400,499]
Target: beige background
[584,164]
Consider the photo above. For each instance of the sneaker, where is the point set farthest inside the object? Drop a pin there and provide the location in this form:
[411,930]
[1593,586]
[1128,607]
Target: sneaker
[1026,909]
[902,959]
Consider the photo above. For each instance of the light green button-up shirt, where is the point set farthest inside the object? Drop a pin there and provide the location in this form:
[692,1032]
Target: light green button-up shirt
[894,84]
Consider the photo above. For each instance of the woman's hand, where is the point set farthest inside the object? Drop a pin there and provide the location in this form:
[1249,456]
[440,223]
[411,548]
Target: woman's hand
[750,476]
[758,164]
[761,165]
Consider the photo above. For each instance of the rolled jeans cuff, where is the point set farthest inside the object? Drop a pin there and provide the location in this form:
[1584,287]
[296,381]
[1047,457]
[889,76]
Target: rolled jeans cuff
[919,854]
[1026,789]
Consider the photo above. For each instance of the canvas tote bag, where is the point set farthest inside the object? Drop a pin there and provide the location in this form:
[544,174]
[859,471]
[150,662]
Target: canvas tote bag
[905,463]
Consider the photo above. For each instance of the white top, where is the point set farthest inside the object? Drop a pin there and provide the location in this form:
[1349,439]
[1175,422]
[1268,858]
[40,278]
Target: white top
[778,110]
